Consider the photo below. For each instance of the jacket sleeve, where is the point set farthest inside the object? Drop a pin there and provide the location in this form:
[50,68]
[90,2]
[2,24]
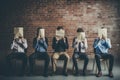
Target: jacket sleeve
[45,43]
[95,44]
[74,43]
[35,43]
[85,44]
[13,45]
[108,43]
[46,40]
[25,44]
[53,43]
[66,43]
[63,43]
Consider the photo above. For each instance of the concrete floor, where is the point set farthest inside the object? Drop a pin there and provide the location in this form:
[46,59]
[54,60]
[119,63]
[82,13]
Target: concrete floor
[90,73]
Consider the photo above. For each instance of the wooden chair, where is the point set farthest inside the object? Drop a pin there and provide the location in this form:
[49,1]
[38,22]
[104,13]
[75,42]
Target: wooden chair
[103,61]
[62,57]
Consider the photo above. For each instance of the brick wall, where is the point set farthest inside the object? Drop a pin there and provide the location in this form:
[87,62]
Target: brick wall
[71,14]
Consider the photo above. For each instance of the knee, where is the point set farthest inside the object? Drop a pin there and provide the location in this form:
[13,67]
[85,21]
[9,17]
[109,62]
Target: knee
[74,58]
[53,57]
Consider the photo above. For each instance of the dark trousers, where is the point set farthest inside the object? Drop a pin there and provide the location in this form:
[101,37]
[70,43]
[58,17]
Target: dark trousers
[42,56]
[17,55]
[82,56]
[110,57]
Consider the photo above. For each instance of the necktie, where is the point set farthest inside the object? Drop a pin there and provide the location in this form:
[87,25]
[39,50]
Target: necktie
[79,47]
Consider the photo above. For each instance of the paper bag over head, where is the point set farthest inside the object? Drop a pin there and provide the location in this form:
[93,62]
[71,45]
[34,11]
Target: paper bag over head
[81,36]
[18,32]
[102,31]
[60,33]
[42,32]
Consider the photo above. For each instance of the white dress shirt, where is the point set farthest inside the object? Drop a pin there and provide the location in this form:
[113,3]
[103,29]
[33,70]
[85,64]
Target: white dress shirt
[83,48]
[17,47]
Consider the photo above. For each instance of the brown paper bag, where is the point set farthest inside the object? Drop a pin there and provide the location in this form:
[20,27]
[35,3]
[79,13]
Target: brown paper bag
[42,33]
[81,36]
[18,31]
[103,32]
[60,33]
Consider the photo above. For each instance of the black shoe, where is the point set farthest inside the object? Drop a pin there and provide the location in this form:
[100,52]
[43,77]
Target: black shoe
[21,75]
[53,73]
[30,74]
[110,75]
[65,74]
[45,75]
[84,74]
[76,74]
[99,74]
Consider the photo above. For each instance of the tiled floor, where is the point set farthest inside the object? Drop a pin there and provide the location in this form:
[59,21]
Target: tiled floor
[58,76]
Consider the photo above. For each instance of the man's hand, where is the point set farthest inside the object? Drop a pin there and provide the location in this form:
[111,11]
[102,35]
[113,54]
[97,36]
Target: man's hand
[103,37]
[19,43]
[58,38]
[64,39]
[38,37]
[77,40]
[83,41]
[23,40]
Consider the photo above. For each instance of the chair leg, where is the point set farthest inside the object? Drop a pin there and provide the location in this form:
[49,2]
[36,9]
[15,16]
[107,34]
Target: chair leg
[96,69]
[93,65]
[53,65]
[107,64]
[73,68]
[104,62]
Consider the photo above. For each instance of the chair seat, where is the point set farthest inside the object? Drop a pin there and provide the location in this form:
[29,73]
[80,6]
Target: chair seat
[62,57]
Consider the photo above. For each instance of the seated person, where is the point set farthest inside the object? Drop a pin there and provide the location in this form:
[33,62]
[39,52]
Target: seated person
[80,46]
[19,46]
[59,45]
[101,46]
[40,44]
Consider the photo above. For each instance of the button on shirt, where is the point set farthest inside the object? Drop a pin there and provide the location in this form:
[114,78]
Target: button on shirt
[102,46]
